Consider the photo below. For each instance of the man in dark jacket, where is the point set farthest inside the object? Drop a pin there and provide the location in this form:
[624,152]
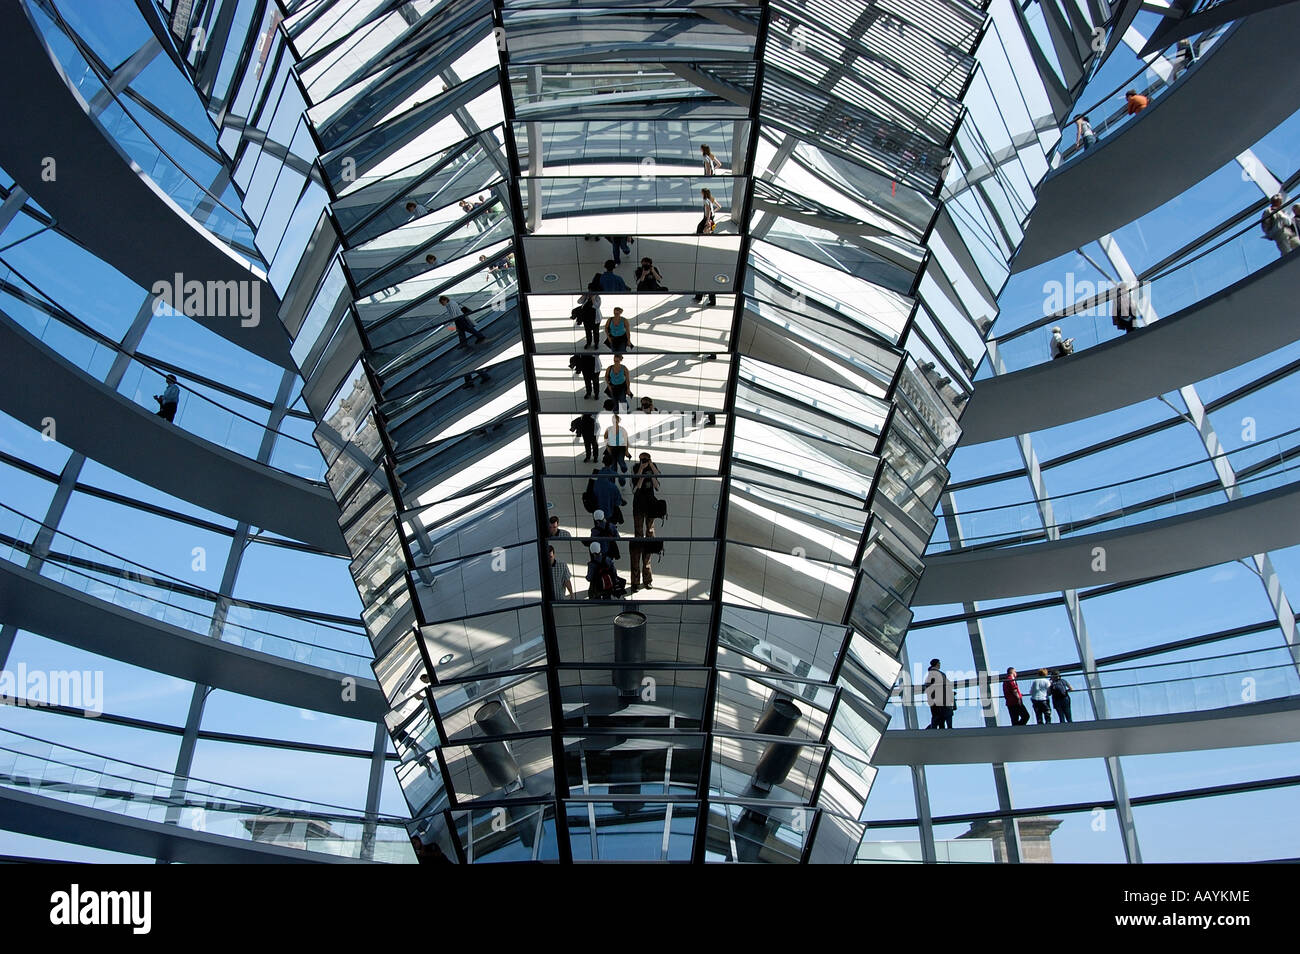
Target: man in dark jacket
[940,696]
[1015,701]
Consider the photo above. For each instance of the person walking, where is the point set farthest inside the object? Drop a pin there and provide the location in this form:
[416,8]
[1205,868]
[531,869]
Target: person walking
[618,381]
[609,500]
[584,425]
[940,696]
[169,400]
[620,245]
[1038,690]
[618,332]
[1014,699]
[1060,691]
[458,314]
[561,578]
[711,162]
[1279,226]
[1084,133]
[711,207]
[616,440]
[588,315]
[588,365]
[1136,102]
[645,483]
[609,282]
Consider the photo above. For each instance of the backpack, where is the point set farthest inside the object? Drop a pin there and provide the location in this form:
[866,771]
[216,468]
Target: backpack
[1060,689]
[659,509]
[589,497]
[653,546]
[575,426]
[594,284]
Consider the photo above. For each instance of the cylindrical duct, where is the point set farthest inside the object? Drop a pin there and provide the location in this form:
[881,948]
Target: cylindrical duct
[778,758]
[495,758]
[629,650]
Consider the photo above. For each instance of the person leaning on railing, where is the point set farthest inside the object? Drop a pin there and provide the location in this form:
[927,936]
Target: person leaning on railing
[1279,226]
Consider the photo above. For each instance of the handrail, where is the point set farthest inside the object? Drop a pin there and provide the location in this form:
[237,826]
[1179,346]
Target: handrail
[1124,483]
[351,813]
[91,60]
[170,583]
[65,317]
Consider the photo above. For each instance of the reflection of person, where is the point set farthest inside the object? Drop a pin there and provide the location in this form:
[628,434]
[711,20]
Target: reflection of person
[617,382]
[169,399]
[459,316]
[618,331]
[553,529]
[648,278]
[616,440]
[644,484]
[711,162]
[620,245]
[561,579]
[711,206]
[611,282]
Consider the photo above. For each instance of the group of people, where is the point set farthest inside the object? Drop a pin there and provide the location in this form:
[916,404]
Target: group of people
[1049,686]
[605,501]
[1049,691]
[1086,137]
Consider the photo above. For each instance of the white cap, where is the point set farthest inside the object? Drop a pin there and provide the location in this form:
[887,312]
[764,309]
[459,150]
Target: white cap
[595,548]
[1056,331]
[598,515]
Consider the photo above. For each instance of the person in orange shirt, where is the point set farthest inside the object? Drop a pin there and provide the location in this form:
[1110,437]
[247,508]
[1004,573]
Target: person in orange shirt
[1136,102]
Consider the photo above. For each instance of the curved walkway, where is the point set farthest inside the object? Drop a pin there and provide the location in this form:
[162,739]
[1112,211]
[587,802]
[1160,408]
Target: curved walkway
[1226,102]
[93,419]
[46,817]
[1242,322]
[65,614]
[1256,723]
[99,197]
[1214,535]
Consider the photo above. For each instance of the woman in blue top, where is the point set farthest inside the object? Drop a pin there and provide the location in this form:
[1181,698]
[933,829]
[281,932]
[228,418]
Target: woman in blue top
[619,331]
[617,381]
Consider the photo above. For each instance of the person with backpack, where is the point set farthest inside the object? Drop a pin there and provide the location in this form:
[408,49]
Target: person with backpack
[605,533]
[1038,696]
[459,316]
[584,426]
[645,481]
[1060,691]
[603,576]
[1014,699]
[605,493]
[1060,347]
